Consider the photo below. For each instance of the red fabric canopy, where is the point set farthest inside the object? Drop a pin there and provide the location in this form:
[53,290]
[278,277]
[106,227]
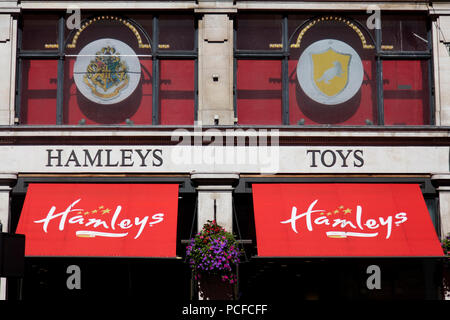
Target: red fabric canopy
[124,220]
[343,219]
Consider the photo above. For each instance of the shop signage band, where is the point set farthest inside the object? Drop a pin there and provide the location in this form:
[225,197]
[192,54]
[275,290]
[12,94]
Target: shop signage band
[104,158]
[343,220]
[245,159]
[133,220]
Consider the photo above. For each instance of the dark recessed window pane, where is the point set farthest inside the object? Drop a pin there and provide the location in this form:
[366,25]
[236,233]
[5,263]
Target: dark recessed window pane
[176,32]
[39,31]
[108,27]
[303,30]
[404,33]
[406,92]
[259,32]
[145,21]
[296,23]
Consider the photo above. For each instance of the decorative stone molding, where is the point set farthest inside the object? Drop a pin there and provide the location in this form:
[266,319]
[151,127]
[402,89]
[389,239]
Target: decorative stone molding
[216,179]
[442,183]
[7,181]
[215,200]
[440,180]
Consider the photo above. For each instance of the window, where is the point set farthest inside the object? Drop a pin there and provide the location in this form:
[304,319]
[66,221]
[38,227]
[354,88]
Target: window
[406,70]
[259,93]
[113,70]
[259,70]
[298,69]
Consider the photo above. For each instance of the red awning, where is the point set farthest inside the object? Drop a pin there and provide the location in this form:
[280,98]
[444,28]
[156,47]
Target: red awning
[120,220]
[343,219]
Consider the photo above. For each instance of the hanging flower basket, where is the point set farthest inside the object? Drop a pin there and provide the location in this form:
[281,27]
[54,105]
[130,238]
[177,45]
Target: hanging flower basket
[213,255]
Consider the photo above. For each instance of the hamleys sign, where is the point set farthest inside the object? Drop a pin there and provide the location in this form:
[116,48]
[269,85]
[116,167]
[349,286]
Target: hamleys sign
[111,225]
[340,219]
[343,219]
[100,220]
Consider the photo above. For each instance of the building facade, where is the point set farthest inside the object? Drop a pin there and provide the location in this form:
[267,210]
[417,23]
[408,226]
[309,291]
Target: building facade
[220,98]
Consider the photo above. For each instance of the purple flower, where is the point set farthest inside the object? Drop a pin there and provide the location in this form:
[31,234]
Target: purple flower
[211,250]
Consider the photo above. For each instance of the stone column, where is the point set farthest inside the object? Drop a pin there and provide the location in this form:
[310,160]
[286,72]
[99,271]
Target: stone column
[7,181]
[441,59]
[215,63]
[215,188]
[8,36]
[442,183]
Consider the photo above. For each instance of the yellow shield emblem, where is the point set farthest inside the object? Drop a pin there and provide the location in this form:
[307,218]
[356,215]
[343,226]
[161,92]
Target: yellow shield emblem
[330,71]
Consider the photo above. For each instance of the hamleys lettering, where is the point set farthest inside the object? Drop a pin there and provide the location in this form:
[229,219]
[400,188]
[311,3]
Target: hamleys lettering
[350,222]
[99,222]
[104,158]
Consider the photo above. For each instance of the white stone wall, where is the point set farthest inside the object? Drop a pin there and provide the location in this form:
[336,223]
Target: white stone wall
[215,84]
[440,13]
[215,72]
[441,32]
[8,31]
[6,182]
[215,57]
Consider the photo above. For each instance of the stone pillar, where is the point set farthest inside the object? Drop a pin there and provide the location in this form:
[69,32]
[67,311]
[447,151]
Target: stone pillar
[215,188]
[215,63]
[442,183]
[8,36]
[7,181]
[441,59]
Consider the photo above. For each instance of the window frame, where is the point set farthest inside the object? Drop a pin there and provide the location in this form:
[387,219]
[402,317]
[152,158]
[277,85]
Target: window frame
[380,56]
[59,54]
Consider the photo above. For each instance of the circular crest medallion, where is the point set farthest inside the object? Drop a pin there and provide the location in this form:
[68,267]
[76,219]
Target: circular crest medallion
[330,72]
[107,71]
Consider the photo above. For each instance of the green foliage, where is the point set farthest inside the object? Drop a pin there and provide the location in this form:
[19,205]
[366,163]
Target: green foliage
[215,251]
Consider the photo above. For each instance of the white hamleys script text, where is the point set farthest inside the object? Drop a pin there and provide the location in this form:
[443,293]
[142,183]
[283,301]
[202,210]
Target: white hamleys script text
[113,226]
[366,228]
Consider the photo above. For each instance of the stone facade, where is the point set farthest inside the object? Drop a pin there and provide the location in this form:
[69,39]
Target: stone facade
[421,151]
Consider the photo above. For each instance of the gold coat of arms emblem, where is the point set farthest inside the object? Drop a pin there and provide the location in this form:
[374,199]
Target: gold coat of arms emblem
[107,71]
[330,72]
